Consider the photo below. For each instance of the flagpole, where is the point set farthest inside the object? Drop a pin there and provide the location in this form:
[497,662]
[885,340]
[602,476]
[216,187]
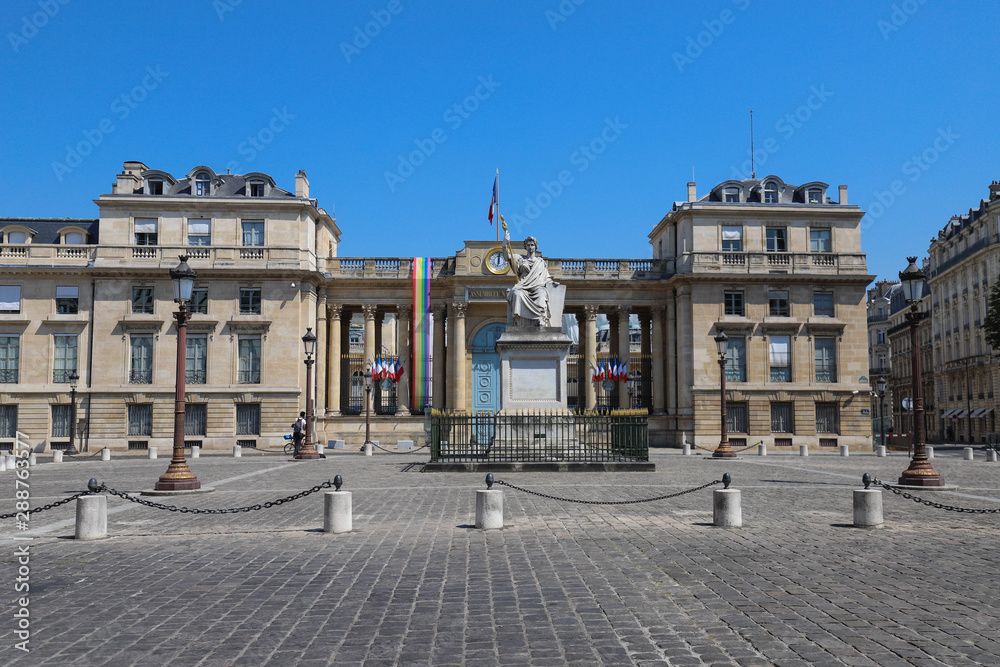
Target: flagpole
[498,204]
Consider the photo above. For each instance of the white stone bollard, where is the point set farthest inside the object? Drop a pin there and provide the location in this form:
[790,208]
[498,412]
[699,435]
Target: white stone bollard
[237,451]
[195,451]
[320,448]
[489,506]
[803,450]
[91,517]
[686,450]
[405,445]
[868,508]
[845,450]
[727,511]
[105,454]
[151,452]
[991,456]
[880,452]
[3,463]
[368,449]
[32,460]
[930,451]
[338,510]
[969,454]
[11,462]
[762,450]
[57,455]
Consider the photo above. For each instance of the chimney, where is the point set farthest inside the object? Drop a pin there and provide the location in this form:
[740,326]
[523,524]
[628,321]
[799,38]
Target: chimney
[692,191]
[301,185]
[127,183]
[994,190]
[843,195]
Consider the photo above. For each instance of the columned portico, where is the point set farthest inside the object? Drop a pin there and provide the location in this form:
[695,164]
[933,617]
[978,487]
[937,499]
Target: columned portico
[321,353]
[656,358]
[369,311]
[624,351]
[333,361]
[456,345]
[403,314]
[440,366]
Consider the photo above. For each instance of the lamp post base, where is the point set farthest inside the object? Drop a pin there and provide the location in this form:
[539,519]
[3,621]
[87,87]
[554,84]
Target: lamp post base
[724,451]
[931,479]
[177,478]
[306,453]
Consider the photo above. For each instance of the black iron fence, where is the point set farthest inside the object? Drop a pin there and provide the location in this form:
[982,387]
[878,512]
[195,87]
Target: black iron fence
[352,392]
[640,373]
[619,435]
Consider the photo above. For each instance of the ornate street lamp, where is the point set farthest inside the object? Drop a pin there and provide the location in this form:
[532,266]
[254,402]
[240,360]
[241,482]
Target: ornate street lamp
[73,379]
[178,476]
[920,472]
[723,451]
[307,451]
[368,401]
[880,392]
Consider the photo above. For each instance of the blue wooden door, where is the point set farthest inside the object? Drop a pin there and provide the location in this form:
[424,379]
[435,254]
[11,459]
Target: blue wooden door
[486,369]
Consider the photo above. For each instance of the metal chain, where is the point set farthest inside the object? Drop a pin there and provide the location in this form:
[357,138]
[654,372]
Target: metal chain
[229,510]
[415,449]
[931,503]
[45,507]
[608,502]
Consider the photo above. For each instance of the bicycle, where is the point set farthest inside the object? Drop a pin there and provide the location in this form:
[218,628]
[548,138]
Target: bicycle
[290,445]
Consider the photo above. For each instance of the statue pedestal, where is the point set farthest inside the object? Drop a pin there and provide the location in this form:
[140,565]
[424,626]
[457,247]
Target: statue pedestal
[533,368]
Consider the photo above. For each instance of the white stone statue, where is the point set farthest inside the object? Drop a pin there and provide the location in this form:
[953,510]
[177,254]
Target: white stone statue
[529,300]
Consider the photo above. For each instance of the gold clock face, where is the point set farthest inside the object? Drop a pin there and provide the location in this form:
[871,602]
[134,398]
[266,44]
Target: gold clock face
[496,263]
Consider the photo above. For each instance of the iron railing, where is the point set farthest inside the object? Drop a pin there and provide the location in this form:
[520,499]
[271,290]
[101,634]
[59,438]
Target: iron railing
[592,437]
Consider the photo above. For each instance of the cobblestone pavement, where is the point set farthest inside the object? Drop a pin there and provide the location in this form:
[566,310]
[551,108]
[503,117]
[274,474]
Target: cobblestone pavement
[649,583]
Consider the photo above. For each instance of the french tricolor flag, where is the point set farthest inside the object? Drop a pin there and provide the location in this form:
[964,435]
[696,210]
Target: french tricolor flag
[496,197]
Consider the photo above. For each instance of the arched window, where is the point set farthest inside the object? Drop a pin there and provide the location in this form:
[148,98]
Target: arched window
[771,193]
[203,185]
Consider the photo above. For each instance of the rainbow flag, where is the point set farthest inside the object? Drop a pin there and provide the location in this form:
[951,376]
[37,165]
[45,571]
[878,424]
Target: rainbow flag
[421,336]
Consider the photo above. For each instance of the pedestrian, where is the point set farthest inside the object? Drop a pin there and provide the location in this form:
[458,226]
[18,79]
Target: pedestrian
[299,431]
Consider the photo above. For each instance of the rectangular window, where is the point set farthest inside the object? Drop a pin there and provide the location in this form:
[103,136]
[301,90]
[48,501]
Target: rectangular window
[248,419]
[145,231]
[10,357]
[777,302]
[194,418]
[826,418]
[781,417]
[8,421]
[256,189]
[253,233]
[142,300]
[249,351]
[67,300]
[880,337]
[140,419]
[196,359]
[736,417]
[776,239]
[819,240]
[734,303]
[823,304]
[141,364]
[780,350]
[732,239]
[199,301]
[732,194]
[736,360]
[250,301]
[200,231]
[10,299]
[826,360]
[155,187]
[64,362]
[61,417]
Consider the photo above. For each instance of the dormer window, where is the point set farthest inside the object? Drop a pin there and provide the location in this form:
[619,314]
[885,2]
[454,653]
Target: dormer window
[202,185]
[155,187]
[256,189]
[17,238]
[771,193]
[814,196]
[731,194]
[74,238]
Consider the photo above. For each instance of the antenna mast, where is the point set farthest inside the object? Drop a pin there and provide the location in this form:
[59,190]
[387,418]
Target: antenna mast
[753,172]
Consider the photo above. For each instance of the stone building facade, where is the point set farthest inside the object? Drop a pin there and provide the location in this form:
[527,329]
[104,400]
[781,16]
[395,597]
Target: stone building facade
[777,267]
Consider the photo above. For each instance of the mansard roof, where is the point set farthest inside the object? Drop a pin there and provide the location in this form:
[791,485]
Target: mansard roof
[46,230]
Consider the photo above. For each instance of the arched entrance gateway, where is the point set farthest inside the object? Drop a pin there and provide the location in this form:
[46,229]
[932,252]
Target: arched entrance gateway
[486,368]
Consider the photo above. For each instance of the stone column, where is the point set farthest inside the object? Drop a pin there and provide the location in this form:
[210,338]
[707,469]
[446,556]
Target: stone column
[645,322]
[321,338]
[456,344]
[589,344]
[624,352]
[656,359]
[670,339]
[403,314]
[369,311]
[685,351]
[333,361]
[439,369]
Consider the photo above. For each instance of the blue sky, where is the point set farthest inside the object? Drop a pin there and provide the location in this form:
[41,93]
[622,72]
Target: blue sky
[897,100]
